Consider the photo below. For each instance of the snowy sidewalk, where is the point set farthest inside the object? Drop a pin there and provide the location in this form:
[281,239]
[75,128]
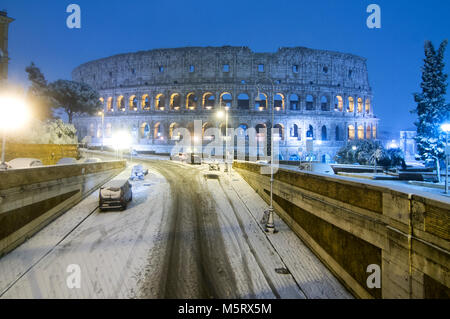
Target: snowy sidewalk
[311,276]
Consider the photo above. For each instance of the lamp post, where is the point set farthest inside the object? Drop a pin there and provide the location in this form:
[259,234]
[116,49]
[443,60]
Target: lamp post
[270,225]
[446,128]
[13,114]
[220,114]
[102,114]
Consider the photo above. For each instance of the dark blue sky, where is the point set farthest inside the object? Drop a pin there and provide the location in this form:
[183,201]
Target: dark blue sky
[394,53]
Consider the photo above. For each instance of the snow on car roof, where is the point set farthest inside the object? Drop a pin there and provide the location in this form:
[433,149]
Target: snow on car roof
[116,183]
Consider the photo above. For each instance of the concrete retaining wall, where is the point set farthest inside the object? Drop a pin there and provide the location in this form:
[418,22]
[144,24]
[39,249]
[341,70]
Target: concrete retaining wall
[49,154]
[351,225]
[32,198]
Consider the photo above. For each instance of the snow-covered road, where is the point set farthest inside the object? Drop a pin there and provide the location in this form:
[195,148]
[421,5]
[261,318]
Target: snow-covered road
[189,233]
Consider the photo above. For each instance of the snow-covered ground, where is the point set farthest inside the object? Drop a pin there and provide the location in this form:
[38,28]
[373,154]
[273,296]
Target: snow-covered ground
[188,233]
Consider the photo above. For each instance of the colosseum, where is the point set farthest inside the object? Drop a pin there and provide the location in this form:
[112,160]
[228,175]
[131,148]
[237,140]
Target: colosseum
[316,95]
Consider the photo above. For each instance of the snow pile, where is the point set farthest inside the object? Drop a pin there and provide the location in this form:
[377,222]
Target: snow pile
[48,132]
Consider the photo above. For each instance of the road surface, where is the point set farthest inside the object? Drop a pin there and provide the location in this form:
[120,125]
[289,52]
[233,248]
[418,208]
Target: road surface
[189,233]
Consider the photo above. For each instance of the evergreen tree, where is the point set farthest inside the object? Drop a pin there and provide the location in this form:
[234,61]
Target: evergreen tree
[38,93]
[75,98]
[432,110]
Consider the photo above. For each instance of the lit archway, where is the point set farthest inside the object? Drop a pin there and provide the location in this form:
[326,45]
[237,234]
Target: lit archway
[175,101]
[145,102]
[261,102]
[225,99]
[339,103]
[351,104]
[351,132]
[160,102]
[191,101]
[208,100]
[360,105]
[360,132]
[279,102]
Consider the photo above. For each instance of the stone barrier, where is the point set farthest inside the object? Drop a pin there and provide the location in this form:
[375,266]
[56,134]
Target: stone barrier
[32,198]
[357,228]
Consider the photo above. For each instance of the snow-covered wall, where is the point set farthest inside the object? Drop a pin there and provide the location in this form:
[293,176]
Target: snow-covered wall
[357,227]
[32,198]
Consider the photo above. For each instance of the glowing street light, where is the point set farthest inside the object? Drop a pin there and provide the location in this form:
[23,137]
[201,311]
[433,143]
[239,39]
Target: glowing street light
[121,141]
[14,113]
[446,128]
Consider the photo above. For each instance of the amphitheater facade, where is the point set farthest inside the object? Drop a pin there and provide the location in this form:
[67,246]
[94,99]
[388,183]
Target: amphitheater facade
[316,95]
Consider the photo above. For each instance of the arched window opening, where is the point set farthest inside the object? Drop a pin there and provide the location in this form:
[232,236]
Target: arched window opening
[243,101]
[294,102]
[242,129]
[175,102]
[191,101]
[145,102]
[367,105]
[208,101]
[339,104]
[309,102]
[374,132]
[132,103]
[360,105]
[109,105]
[351,132]
[261,102]
[157,131]
[337,134]
[172,128]
[324,133]
[360,132]
[324,104]
[294,132]
[260,130]
[160,102]
[225,100]
[279,102]
[120,104]
[280,134]
[205,127]
[368,132]
[144,130]
[310,132]
[351,105]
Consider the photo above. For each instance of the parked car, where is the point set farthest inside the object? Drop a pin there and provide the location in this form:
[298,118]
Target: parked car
[178,157]
[195,159]
[138,172]
[115,194]
[134,153]
[19,163]
[92,160]
[67,161]
[214,166]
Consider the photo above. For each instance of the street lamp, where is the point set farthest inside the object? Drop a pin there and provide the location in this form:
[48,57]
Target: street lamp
[220,114]
[102,114]
[446,128]
[122,140]
[270,225]
[13,114]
